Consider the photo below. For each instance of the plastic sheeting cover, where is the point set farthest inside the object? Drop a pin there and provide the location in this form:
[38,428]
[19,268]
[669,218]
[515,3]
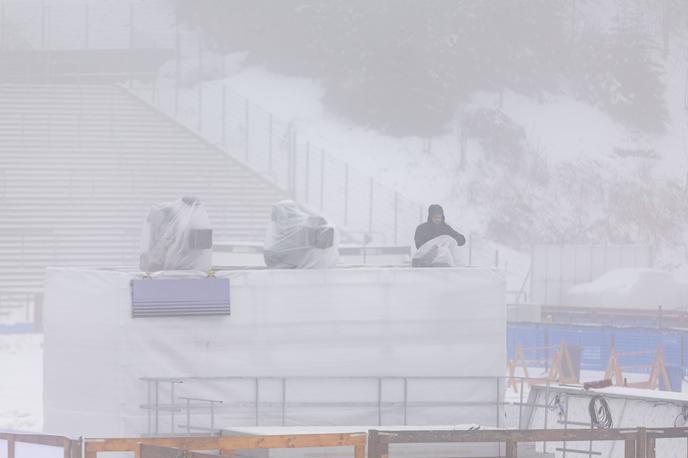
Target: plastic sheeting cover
[441,251]
[299,239]
[177,236]
[284,323]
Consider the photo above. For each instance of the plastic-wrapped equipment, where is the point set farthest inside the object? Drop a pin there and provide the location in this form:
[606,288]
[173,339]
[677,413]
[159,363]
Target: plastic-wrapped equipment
[441,251]
[299,239]
[177,236]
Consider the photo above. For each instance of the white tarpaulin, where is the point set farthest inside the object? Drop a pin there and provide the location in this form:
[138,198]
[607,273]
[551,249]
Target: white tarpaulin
[291,325]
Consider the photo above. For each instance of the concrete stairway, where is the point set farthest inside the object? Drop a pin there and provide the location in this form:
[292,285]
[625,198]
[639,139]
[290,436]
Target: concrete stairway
[79,168]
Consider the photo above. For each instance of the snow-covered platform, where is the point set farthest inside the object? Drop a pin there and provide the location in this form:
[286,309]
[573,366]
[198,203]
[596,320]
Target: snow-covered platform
[286,327]
[568,406]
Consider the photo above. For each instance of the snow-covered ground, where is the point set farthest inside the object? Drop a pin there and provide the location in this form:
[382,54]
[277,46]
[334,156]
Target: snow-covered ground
[21,383]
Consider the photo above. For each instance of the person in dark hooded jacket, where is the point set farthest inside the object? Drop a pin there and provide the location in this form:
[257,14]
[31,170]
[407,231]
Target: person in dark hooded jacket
[435,226]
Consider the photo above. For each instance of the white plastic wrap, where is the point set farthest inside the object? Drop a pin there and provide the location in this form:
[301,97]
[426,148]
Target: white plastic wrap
[299,239]
[285,323]
[177,236]
[441,251]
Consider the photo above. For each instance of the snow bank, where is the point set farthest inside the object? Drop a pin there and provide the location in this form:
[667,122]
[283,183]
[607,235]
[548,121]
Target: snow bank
[631,288]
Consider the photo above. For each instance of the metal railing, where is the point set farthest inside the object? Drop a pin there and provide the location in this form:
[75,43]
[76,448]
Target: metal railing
[275,405]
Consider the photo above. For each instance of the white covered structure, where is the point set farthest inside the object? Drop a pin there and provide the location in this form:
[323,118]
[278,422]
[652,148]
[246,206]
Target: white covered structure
[331,347]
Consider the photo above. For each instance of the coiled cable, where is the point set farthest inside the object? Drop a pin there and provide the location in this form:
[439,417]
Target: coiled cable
[600,415]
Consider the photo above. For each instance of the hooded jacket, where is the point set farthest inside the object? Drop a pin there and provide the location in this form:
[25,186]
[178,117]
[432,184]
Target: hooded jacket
[429,230]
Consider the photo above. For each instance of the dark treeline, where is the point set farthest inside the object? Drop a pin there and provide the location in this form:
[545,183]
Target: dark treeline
[403,66]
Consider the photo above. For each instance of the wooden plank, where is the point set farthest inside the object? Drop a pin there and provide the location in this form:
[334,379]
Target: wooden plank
[534,435]
[155,451]
[629,448]
[93,446]
[293,441]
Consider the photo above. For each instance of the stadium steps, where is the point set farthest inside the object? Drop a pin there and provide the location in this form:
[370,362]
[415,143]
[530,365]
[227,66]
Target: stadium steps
[81,165]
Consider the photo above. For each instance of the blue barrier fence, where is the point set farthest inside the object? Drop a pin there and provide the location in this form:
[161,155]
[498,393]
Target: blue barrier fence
[596,343]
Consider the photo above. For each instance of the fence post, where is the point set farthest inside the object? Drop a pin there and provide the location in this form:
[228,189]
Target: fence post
[200,84]
[86,27]
[346,194]
[370,207]
[322,179]
[177,67]
[379,402]
[257,400]
[307,177]
[43,22]
[247,121]
[294,159]
[3,26]
[224,115]
[131,25]
[396,217]
[270,144]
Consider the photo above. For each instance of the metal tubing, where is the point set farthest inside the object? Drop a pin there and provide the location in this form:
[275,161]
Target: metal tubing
[370,206]
[173,407]
[86,27]
[405,401]
[284,399]
[346,194]
[379,402]
[396,217]
[247,120]
[270,144]
[322,179]
[308,173]
[256,400]
[157,390]
[224,115]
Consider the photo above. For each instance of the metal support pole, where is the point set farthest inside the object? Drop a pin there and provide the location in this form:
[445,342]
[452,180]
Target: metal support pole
[188,416]
[405,401]
[307,177]
[131,25]
[294,159]
[270,127]
[148,405]
[370,206]
[346,194]
[322,179]
[497,400]
[284,400]
[177,69]
[199,51]
[224,115]
[172,406]
[256,400]
[157,392]
[520,406]
[247,120]
[396,217]
[3,26]
[131,39]
[379,402]
[86,26]
[43,24]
